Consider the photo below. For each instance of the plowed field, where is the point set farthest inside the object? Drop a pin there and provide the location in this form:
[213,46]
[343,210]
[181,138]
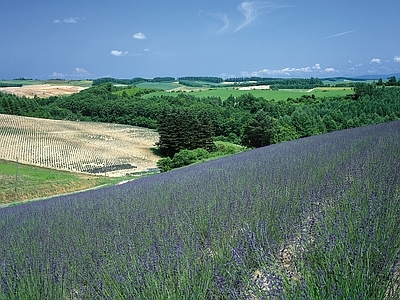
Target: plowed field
[95,148]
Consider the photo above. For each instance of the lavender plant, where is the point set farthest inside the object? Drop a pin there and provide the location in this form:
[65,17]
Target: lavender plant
[315,218]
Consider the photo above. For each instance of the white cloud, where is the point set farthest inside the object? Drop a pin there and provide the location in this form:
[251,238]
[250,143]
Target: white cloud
[317,66]
[212,17]
[288,71]
[139,36]
[118,53]
[396,59]
[71,20]
[251,10]
[329,70]
[146,50]
[284,71]
[225,21]
[359,65]
[375,61]
[68,20]
[339,34]
[57,75]
[80,72]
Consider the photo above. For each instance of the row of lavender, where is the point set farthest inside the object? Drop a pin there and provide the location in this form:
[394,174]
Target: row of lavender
[316,218]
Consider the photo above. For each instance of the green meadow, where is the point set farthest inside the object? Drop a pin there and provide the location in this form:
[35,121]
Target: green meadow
[23,182]
[224,93]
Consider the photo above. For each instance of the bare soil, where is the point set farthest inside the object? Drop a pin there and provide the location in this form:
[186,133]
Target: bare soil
[42,90]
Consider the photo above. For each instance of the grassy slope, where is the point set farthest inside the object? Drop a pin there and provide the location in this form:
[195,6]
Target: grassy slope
[36,182]
[318,221]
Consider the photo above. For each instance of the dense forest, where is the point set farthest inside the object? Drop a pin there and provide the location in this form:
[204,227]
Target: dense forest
[245,119]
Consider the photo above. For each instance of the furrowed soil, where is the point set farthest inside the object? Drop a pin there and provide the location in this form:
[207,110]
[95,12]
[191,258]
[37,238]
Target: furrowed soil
[58,157]
[86,147]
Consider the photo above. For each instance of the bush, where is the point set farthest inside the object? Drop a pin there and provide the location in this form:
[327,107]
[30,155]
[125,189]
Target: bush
[183,158]
[188,157]
[165,164]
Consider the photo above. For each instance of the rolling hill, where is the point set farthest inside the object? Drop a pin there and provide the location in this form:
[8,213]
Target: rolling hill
[313,218]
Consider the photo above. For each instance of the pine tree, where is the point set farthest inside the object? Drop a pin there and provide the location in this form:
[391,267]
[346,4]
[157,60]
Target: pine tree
[183,128]
[259,130]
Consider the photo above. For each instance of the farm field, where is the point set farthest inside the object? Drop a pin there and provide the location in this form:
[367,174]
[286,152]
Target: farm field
[19,182]
[93,148]
[42,90]
[224,93]
[313,218]
[45,88]
[49,88]
[159,85]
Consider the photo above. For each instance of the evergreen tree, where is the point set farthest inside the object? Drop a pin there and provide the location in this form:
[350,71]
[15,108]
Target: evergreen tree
[182,128]
[259,130]
[205,132]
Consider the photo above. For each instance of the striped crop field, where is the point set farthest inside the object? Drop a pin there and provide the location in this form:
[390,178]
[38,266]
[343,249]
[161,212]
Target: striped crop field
[77,146]
[314,218]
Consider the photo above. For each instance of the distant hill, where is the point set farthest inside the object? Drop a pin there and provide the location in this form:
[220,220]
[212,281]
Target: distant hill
[372,77]
[362,77]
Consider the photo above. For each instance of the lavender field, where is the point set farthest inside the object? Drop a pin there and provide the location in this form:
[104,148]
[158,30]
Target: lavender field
[315,218]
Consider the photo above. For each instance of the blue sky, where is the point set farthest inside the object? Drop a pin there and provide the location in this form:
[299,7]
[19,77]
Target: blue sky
[226,38]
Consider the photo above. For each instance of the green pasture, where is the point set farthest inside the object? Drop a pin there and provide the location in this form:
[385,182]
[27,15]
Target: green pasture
[23,82]
[159,85]
[283,94]
[24,182]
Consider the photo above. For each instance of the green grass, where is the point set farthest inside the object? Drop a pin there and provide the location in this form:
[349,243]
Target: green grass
[23,82]
[159,85]
[36,182]
[129,91]
[224,93]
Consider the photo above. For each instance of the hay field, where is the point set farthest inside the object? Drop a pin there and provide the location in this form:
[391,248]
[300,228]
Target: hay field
[95,148]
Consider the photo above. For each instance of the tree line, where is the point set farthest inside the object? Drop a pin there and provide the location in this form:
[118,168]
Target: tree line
[10,84]
[186,122]
[132,81]
[210,81]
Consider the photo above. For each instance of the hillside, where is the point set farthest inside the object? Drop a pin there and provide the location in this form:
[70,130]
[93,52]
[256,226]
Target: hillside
[89,147]
[314,218]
